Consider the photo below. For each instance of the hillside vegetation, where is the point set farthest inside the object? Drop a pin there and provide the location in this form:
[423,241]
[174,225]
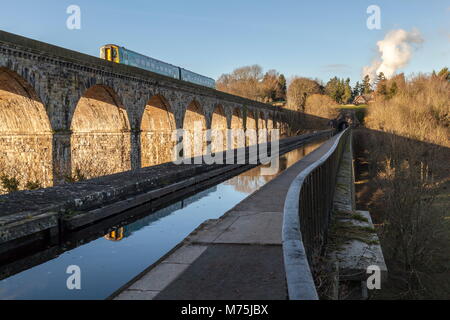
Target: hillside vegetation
[405,149]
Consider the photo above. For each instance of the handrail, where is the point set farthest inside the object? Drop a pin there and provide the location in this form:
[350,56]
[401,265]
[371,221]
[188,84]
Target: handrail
[306,217]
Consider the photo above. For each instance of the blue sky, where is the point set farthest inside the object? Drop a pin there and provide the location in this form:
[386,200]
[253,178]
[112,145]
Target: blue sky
[317,39]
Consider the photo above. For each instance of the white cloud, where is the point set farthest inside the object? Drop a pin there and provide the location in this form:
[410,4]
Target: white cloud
[394,52]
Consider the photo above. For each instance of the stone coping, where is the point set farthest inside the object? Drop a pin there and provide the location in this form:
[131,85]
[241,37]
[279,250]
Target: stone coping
[298,274]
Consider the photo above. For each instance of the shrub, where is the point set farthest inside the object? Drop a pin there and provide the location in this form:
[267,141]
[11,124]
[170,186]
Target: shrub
[10,184]
[322,106]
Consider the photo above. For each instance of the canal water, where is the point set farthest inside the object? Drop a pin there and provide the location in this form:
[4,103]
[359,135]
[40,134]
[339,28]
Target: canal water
[109,261]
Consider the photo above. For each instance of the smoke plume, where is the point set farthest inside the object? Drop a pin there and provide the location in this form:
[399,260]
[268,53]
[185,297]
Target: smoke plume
[394,52]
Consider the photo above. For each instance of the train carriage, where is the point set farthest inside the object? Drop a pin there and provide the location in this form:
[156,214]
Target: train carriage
[122,55]
[193,77]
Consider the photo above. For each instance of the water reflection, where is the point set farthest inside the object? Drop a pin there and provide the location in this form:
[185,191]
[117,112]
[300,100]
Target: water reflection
[252,179]
[111,255]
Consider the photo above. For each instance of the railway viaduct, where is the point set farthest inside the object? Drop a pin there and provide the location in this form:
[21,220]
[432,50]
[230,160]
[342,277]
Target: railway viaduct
[64,110]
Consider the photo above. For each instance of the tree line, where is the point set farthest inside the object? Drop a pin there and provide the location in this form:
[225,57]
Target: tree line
[250,82]
[271,87]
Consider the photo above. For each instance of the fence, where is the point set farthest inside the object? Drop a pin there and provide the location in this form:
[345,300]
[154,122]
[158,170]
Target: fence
[307,212]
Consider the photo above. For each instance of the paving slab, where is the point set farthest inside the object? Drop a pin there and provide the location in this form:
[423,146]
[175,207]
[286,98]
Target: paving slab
[159,277]
[137,295]
[253,228]
[210,230]
[186,254]
[240,272]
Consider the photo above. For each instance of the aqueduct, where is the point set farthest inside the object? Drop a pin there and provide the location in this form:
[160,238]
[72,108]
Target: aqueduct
[62,112]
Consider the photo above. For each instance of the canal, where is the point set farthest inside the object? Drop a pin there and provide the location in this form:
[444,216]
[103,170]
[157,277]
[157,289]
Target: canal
[110,260]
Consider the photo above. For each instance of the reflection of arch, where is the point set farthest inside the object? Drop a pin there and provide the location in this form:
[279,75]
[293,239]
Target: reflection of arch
[100,141]
[157,124]
[218,129]
[249,181]
[194,119]
[25,132]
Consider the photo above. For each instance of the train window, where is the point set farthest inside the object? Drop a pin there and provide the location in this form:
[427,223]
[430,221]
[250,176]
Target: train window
[115,54]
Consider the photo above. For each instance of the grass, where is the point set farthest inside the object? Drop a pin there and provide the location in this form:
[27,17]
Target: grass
[352,106]
[350,215]
[342,232]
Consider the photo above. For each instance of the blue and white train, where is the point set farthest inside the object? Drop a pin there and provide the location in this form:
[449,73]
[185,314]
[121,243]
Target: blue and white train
[119,54]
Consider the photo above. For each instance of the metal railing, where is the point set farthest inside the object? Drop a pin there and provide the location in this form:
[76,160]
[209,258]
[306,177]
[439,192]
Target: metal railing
[307,213]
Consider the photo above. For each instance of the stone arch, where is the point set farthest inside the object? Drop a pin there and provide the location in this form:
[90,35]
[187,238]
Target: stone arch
[261,121]
[114,88]
[250,120]
[25,133]
[251,127]
[270,122]
[219,126]
[270,126]
[194,119]
[262,125]
[157,126]
[100,140]
[237,124]
[237,120]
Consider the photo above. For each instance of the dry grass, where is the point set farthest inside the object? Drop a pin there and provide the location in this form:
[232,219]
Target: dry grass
[408,149]
[420,111]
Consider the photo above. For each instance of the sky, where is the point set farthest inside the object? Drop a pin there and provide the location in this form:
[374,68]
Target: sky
[316,39]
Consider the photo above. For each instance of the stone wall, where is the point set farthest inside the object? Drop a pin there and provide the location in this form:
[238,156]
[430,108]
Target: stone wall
[84,111]
[25,134]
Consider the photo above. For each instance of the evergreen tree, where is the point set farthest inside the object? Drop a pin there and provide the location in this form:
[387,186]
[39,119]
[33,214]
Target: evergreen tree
[444,74]
[393,90]
[356,90]
[367,88]
[347,95]
[382,88]
[380,78]
[331,88]
[381,85]
[281,88]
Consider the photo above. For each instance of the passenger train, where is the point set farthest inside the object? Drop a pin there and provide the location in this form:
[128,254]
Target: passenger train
[122,55]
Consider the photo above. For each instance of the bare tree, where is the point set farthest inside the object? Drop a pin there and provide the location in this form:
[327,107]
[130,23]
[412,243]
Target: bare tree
[244,82]
[299,90]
